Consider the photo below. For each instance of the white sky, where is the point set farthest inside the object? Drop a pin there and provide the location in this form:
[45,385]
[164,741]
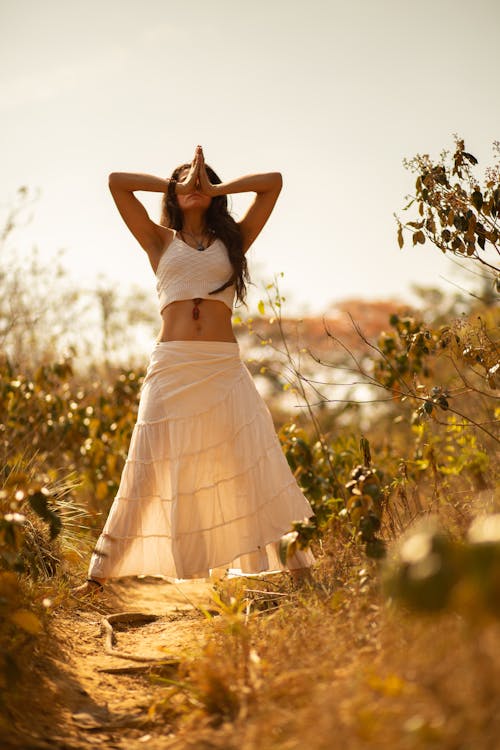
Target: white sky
[332,94]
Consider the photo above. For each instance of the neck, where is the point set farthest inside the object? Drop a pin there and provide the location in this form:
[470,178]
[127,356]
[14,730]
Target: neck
[194,222]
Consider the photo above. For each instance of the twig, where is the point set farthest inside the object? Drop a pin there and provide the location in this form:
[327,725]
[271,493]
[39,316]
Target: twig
[129,617]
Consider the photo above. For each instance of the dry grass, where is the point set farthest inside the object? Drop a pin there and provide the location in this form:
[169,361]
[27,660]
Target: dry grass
[337,666]
[333,666]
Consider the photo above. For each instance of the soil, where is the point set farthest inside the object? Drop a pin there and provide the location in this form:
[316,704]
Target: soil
[84,697]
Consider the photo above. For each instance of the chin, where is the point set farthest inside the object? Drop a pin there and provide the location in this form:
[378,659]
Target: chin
[189,201]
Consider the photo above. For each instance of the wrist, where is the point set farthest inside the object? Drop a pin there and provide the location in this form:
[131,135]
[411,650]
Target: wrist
[180,188]
[217,189]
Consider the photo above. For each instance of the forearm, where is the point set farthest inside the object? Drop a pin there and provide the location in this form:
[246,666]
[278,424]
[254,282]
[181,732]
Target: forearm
[134,181]
[256,183]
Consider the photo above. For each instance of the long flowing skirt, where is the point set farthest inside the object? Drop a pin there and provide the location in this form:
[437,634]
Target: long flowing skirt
[206,484]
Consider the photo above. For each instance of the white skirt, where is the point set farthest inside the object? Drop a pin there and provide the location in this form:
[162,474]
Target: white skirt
[206,484]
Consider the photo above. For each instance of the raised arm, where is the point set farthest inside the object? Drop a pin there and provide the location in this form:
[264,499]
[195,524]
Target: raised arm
[267,187]
[122,186]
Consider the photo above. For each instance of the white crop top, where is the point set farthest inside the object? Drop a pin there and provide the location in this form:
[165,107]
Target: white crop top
[186,273]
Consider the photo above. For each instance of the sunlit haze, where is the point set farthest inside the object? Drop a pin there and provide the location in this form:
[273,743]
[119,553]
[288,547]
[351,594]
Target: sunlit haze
[334,95]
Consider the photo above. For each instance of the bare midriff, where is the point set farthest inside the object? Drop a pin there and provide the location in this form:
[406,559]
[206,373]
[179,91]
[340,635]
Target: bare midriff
[213,321]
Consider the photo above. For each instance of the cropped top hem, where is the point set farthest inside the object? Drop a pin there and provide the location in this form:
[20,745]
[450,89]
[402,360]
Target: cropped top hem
[186,273]
[192,293]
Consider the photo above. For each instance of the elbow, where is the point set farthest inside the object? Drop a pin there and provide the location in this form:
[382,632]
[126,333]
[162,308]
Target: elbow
[114,179]
[275,182]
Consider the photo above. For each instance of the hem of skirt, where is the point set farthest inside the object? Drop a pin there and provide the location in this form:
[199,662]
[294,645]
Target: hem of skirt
[206,575]
[187,579]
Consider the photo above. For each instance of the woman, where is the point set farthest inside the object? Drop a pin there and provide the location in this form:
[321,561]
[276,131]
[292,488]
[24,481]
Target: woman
[205,484]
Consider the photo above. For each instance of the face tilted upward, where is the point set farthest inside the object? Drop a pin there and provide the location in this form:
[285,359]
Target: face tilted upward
[195,199]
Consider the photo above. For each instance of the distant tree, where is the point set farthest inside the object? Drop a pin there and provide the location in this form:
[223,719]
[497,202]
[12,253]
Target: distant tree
[38,303]
[121,314]
[458,215]
[45,315]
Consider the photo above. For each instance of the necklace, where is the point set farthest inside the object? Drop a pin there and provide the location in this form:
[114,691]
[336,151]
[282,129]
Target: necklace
[200,245]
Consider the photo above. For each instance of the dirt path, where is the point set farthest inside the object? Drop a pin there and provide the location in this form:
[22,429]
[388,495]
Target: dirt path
[89,698]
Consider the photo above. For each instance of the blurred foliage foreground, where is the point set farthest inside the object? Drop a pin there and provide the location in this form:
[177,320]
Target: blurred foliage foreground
[406,520]
[430,455]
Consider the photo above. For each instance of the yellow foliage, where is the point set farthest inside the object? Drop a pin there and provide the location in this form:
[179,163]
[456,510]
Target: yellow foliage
[26,620]
[8,584]
[391,685]
[101,490]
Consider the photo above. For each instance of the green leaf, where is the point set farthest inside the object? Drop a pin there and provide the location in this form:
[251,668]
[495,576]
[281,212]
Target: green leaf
[477,199]
[468,156]
[443,402]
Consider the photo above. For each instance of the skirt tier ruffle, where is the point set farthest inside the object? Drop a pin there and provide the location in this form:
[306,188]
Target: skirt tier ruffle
[206,484]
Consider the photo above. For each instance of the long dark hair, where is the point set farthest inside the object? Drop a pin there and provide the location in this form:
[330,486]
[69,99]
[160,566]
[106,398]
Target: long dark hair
[221,223]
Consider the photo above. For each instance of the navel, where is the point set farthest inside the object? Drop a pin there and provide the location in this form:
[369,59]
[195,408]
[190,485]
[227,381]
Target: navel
[196,309]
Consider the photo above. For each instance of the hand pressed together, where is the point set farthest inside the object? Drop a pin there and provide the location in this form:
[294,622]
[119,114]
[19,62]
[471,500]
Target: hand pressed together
[197,179]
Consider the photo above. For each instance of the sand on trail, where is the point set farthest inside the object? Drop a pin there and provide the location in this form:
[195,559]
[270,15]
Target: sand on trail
[75,704]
